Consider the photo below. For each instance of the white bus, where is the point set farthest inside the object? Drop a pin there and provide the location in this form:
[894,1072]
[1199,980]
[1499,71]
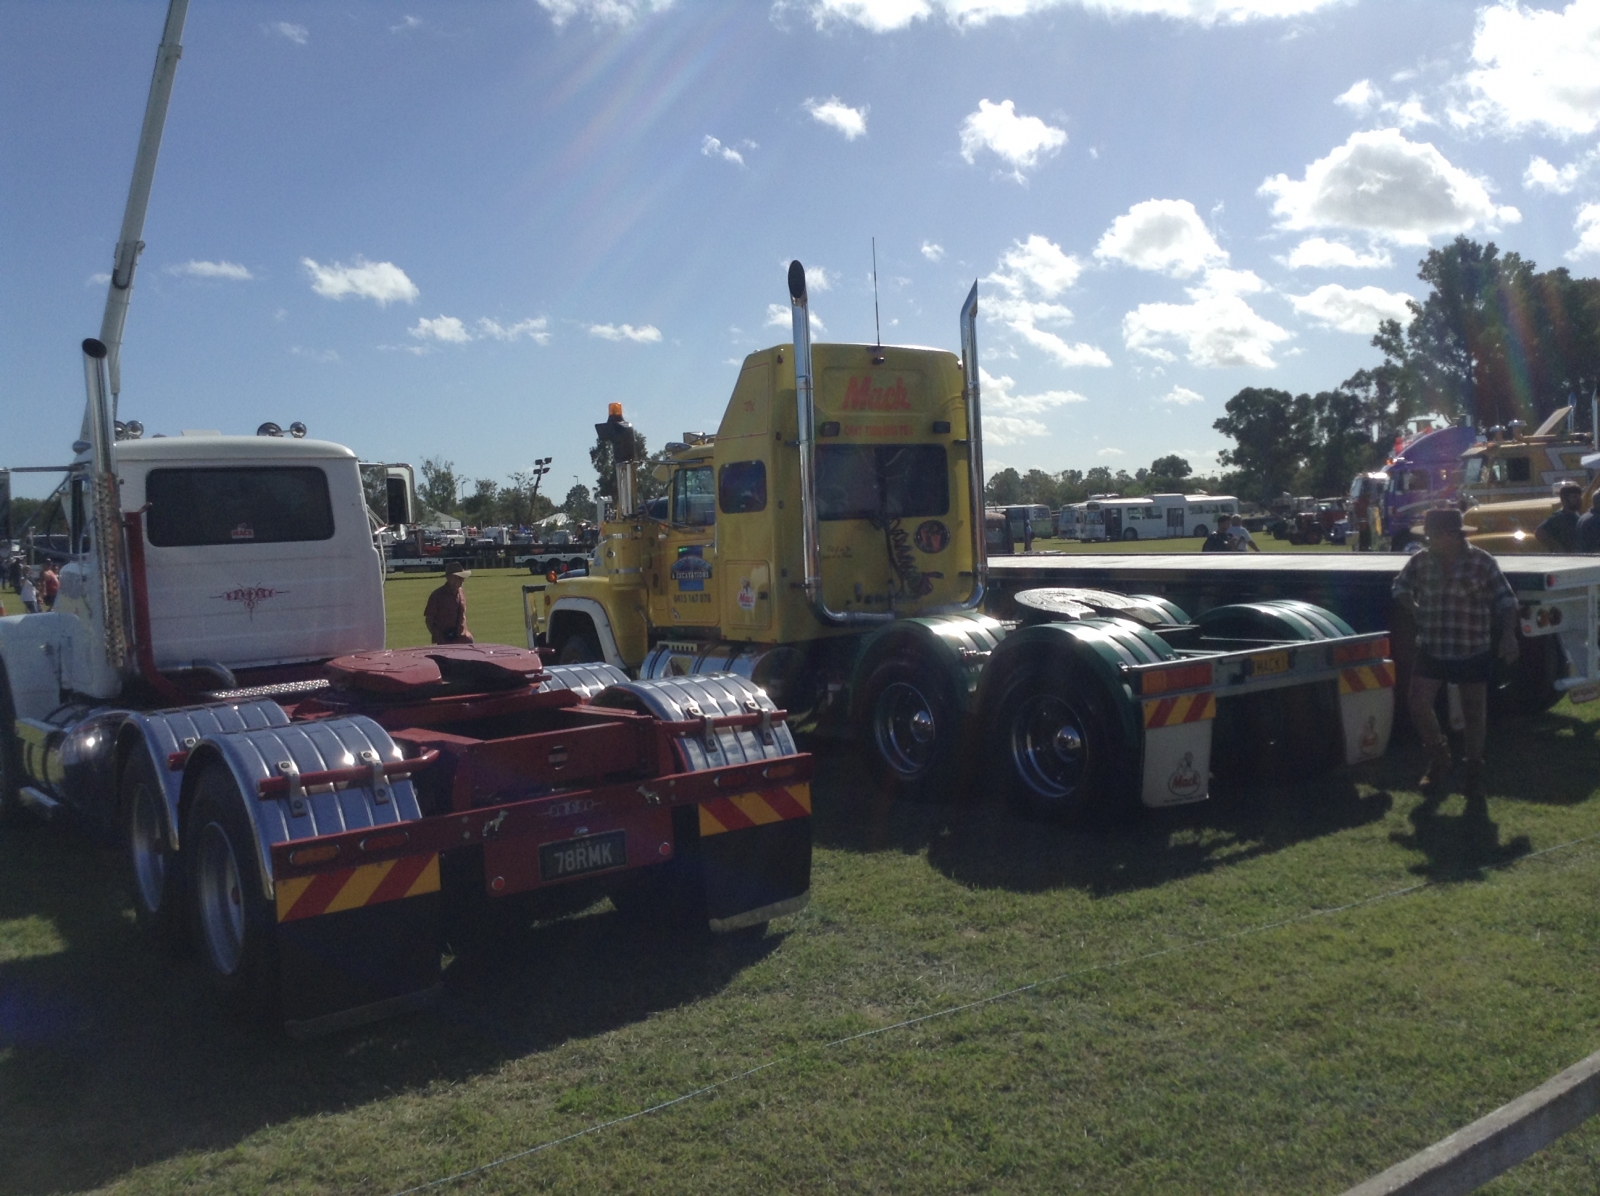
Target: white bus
[1072,521]
[1162,516]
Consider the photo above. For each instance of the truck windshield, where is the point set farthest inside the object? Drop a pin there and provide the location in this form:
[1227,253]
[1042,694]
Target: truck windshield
[882,481]
[694,497]
[269,505]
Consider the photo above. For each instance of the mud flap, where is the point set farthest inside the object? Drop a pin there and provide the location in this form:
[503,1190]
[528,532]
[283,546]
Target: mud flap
[755,856]
[358,965]
[1177,749]
[1366,708]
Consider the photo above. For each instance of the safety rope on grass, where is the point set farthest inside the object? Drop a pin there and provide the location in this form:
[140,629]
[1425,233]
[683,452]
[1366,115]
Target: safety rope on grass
[1090,969]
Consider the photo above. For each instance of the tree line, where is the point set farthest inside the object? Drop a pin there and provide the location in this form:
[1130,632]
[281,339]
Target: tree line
[1494,340]
[1165,475]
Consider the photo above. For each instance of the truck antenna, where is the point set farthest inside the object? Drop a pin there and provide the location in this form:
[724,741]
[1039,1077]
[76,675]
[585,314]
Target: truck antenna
[876,319]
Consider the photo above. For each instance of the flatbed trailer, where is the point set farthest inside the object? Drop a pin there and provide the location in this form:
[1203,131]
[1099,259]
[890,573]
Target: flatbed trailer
[1557,596]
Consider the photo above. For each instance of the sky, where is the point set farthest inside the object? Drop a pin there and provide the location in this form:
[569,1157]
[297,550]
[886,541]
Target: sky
[459,230]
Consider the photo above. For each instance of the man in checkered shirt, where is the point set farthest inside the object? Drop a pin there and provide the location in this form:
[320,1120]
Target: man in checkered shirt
[1456,593]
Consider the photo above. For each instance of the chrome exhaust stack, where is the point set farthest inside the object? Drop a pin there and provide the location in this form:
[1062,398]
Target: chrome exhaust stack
[106,506]
[975,480]
[805,410]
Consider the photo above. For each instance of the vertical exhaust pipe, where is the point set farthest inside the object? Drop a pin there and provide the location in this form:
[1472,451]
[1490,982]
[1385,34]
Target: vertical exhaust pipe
[975,479]
[805,412]
[105,506]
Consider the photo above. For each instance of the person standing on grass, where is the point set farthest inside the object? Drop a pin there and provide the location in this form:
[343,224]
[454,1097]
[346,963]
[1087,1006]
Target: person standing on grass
[28,594]
[1589,527]
[1559,533]
[1455,592]
[446,612]
[1027,534]
[49,586]
[1220,541]
[1239,537]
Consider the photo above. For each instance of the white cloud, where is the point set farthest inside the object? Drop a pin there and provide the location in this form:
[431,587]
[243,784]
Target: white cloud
[1217,329]
[1018,140]
[406,24]
[1365,98]
[1011,429]
[1536,69]
[228,270]
[447,329]
[1588,226]
[1161,234]
[1379,183]
[932,252]
[382,282]
[780,315]
[646,334]
[620,13]
[1038,267]
[535,329]
[1110,452]
[818,278]
[712,148]
[836,114]
[97,280]
[1353,310]
[1541,175]
[1182,396]
[1361,98]
[883,16]
[998,398]
[1318,253]
[1036,264]
[298,34]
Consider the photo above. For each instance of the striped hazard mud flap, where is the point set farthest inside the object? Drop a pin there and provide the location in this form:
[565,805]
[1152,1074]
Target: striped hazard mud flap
[756,852]
[1177,748]
[357,944]
[1366,708]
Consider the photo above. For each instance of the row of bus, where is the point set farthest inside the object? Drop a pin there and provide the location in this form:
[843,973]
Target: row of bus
[1156,517]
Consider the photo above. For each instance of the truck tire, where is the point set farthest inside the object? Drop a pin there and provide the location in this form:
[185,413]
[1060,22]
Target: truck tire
[11,809]
[232,921]
[155,873]
[1056,747]
[580,647]
[1201,531]
[909,726]
[1131,533]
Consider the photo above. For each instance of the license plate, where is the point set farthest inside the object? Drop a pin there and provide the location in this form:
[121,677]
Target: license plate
[574,857]
[1264,664]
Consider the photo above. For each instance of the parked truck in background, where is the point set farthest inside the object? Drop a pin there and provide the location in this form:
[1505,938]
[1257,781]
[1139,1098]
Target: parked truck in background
[827,543]
[319,817]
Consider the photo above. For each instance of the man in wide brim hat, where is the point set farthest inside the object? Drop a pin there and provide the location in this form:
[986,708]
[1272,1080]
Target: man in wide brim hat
[1456,593]
[446,612]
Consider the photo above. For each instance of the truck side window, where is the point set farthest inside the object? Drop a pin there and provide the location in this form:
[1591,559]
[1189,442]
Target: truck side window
[693,498]
[743,488]
[253,505]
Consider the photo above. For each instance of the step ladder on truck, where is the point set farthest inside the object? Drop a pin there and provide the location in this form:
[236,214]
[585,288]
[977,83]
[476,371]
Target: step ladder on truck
[320,817]
[827,543]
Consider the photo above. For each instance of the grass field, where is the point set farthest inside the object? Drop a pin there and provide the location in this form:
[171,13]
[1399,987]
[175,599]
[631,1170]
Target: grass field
[1281,991]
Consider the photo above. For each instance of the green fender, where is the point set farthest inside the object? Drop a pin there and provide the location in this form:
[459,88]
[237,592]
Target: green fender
[961,644]
[1278,619]
[1102,646]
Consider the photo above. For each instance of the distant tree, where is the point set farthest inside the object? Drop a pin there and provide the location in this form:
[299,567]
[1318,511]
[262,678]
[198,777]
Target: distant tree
[482,507]
[1168,475]
[1272,432]
[1004,489]
[579,503]
[439,485]
[605,469]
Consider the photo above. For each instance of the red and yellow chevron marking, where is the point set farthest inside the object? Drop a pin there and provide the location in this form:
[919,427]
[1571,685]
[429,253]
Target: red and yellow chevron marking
[1367,676]
[755,809]
[1186,708]
[349,888]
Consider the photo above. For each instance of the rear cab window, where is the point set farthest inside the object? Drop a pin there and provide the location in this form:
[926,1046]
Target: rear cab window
[191,508]
[882,481]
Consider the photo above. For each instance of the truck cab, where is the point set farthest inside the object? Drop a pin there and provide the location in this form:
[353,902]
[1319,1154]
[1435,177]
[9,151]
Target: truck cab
[1509,465]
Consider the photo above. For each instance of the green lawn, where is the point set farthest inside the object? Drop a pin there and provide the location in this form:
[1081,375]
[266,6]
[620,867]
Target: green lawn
[1280,991]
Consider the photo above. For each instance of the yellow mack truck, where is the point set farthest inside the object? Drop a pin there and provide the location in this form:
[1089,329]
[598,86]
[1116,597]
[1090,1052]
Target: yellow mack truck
[827,544]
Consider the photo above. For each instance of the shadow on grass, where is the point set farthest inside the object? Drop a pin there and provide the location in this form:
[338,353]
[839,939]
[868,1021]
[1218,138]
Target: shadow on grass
[113,1056]
[1457,846]
[980,842]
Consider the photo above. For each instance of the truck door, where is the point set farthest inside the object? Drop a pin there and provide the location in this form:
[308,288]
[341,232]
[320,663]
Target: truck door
[683,574]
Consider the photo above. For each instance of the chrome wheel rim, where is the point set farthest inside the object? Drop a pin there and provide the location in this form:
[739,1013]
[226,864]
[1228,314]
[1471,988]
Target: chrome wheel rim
[221,900]
[905,728]
[147,849]
[1049,746]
